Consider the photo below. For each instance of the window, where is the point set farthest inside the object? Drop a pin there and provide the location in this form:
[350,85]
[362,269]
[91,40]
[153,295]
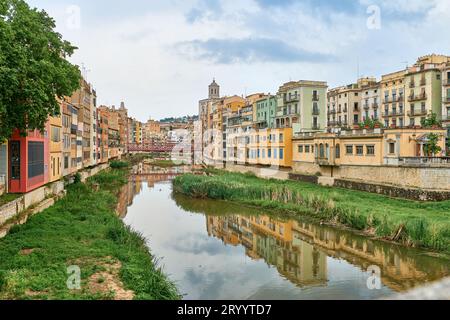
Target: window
[349,149]
[321,151]
[269,153]
[56,134]
[359,150]
[338,151]
[392,147]
[300,149]
[370,150]
[15,159]
[35,159]
[66,162]
[275,153]
[281,138]
[307,149]
[281,153]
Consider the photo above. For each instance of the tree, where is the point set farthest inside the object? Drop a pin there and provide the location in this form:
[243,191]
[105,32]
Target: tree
[432,148]
[34,70]
[431,121]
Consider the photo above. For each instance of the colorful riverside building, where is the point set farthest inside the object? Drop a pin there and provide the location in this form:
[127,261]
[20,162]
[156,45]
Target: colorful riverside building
[4,167]
[55,146]
[28,161]
[103,134]
[357,153]
[446,99]
[301,105]
[265,112]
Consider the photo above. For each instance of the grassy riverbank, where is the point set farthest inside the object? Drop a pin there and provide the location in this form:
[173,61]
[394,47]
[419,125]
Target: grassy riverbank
[411,223]
[81,230]
[165,163]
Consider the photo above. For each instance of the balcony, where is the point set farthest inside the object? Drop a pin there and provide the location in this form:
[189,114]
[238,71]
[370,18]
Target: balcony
[316,112]
[323,161]
[315,127]
[333,111]
[387,100]
[400,98]
[422,96]
[375,105]
[395,113]
[446,82]
[414,113]
[423,82]
[425,161]
[292,98]
[412,84]
[447,99]
[366,107]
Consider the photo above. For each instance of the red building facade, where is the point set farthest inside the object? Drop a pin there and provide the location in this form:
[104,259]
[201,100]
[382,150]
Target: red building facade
[28,161]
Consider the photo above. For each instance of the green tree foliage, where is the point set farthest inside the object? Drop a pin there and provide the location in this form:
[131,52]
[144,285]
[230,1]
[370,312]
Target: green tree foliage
[432,147]
[371,123]
[431,121]
[33,68]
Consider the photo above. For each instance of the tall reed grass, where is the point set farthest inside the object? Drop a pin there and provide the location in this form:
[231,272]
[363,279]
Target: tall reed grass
[411,223]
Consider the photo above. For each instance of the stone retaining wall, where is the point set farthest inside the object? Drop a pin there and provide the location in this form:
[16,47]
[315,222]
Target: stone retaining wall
[394,191]
[409,177]
[40,199]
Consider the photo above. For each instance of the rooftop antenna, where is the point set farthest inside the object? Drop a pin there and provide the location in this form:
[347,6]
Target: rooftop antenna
[84,71]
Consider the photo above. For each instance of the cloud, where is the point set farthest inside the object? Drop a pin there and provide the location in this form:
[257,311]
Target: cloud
[249,50]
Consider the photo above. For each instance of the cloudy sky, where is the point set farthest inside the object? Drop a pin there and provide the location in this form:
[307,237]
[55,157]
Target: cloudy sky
[160,55]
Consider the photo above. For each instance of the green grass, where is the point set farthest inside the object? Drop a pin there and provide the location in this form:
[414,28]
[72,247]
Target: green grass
[8,197]
[81,229]
[420,224]
[119,164]
[166,163]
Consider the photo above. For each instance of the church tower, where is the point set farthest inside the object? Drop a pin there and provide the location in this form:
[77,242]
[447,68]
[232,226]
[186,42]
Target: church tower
[214,90]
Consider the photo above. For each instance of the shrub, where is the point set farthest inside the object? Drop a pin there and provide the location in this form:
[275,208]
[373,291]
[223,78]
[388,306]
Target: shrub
[119,164]
[77,178]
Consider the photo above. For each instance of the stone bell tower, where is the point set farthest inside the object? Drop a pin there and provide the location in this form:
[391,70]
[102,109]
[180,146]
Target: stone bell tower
[214,90]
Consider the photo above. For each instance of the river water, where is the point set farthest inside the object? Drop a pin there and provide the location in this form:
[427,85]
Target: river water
[220,250]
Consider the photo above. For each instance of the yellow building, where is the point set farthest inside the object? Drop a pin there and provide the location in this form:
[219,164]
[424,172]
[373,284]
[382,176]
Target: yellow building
[362,147]
[393,90]
[270,147]
[55,146]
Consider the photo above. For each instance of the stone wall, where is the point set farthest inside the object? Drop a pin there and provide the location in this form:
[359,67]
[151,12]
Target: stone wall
[304,178]
[393,191]
[40,199]
[429,178]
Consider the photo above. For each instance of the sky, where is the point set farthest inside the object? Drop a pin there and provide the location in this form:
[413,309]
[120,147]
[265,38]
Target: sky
[159,56]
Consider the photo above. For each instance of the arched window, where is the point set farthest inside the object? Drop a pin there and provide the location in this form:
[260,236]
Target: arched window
[321,151]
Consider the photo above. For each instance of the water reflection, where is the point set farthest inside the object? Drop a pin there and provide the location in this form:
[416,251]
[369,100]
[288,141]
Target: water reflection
[203,242]
[402,268]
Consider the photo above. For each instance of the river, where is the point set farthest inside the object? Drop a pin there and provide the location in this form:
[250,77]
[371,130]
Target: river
[220,250]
